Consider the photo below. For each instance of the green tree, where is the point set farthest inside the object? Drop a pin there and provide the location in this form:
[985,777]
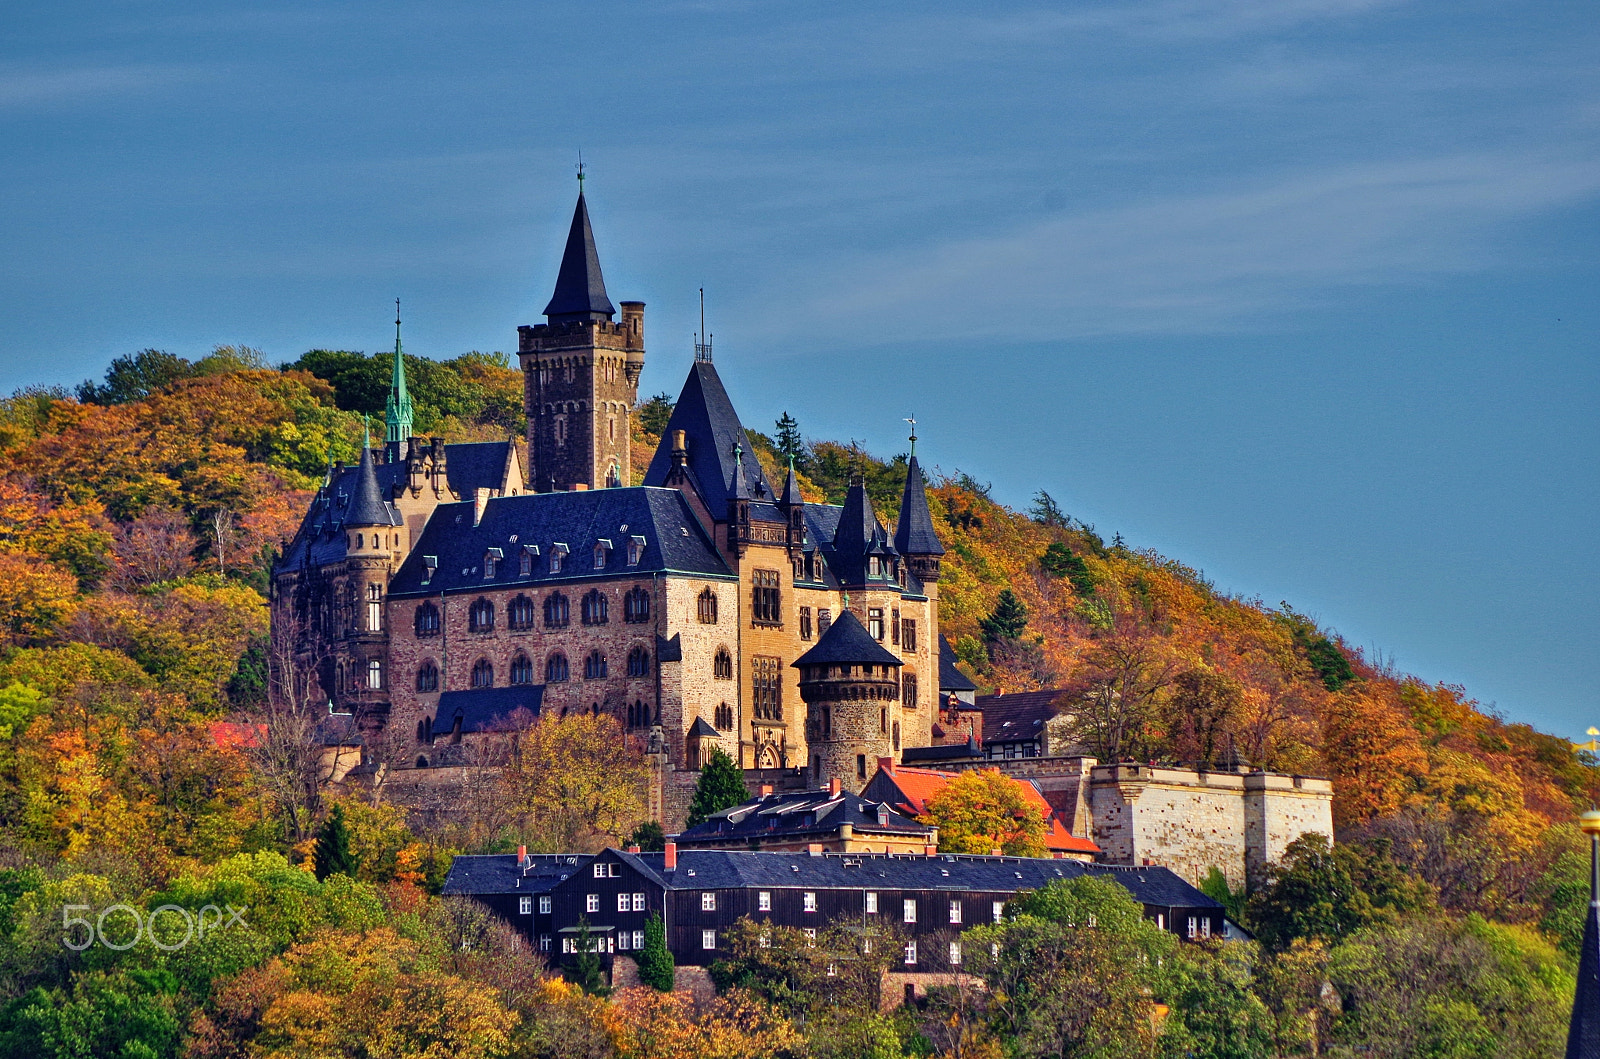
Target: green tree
[654,413]
[721,786]
[1318,891]
[788,439]
[333,855]
[649,837]
[137,376]
[586,971]
[656,967]
[1007,621]
[1059,560]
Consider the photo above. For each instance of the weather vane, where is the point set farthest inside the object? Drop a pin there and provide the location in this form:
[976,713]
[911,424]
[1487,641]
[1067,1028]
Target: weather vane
[913,421]
[580,171]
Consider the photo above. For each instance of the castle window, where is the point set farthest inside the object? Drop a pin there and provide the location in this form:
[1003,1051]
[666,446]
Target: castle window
[525,563]
[894,626]
[595,608]
[519,613]
[766,605]
[707,607]
[613,472]
[491,563]
[374,608]
[638,662]
[555,669]
[874,567]
[427,620]
[722,665]
[558,555]
[600,551]
[522,670]
[908,690]
[908,634]
[805,623]
[824,619]
[636,604]
[883,721]
[724,716]
[766,675]
[861,766]
[594,666]
[558,425]
[428,677]
[635,551]
[481,617]
[483,673]
[422,734]
[556,611]
[638,715]
[895,738]
[875,623]
[374,674]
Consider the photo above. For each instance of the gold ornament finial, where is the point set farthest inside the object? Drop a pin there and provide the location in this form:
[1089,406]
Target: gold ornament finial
[1589,822]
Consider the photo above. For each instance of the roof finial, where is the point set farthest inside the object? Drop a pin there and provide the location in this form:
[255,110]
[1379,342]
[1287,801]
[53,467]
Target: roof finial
[580,172]
[366,432]
[913,421]
[702,341]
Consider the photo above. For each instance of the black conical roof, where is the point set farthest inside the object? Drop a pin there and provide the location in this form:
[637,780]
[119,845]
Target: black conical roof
[847,642]
[366,503]
[580,288]
[791,489]
[858,536]
[1583,1035]
[914,534]
[711,429]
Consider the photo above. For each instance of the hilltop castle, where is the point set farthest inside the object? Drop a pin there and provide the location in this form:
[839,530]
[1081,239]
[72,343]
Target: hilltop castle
[438,594]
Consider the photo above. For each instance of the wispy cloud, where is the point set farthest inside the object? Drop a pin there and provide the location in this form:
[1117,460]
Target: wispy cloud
[22,87]
[1206,262]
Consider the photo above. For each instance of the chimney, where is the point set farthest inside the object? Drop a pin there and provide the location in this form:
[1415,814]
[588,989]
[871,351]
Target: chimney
[680,448]
[886,764]
[633,849]
[814,849]
[522,856]
[996,852]
[833,786]
[766,790]
[480,500]
[670,861]
[930,851]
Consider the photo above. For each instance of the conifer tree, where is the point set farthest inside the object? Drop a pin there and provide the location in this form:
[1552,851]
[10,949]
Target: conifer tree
[333,855]
[656,966]
[721,785]
[586,971]
[788,437]
[649,837]
[1008,619]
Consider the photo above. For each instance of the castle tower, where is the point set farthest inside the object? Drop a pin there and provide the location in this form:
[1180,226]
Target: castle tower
[914,537]
[851,688]
[581,374]
[397,407]
[372,528]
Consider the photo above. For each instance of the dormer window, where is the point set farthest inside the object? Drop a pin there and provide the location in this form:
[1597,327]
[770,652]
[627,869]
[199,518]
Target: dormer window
[635,550]
[431,564]
[530,552]
[874,567]
[558,555]
[601,548]
[491,563]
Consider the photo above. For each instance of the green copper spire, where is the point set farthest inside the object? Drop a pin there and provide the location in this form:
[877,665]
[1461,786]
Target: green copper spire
[397,409]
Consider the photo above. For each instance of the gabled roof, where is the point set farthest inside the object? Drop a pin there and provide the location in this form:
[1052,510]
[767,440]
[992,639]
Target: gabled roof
[580,288]
[475,465]
[1017,717]
[486,709]
[711,429]
[674,541]
[847,642]
[701,729]
[951,678]
[915,787]
[791,815]
[913,534]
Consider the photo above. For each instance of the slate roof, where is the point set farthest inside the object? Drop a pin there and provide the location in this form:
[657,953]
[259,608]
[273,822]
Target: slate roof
[1583,1032]
[497,873]
[857,537]
[951,678]
[942,752]
[580,288]
[368,504]
[913,534]
[847,642]
[474,465]
[792,815]
[711,430]
[673,540]
[1017,717]
[484,709]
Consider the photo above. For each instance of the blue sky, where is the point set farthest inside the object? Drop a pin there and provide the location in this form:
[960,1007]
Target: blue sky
[1300,292]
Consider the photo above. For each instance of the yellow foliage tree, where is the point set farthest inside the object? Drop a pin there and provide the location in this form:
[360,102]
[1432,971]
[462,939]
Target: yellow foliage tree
[984,810]
[577,782]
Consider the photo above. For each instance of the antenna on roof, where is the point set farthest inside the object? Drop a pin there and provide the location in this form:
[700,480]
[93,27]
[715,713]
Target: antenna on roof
[702,349]
[913,421]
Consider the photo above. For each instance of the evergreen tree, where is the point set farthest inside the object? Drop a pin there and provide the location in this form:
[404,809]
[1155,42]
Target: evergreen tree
[656,967]
[721,785]
[1008,619]
[1047,512]
[333,855]
[654,413]
[586,971]
[649,837]
[788,437]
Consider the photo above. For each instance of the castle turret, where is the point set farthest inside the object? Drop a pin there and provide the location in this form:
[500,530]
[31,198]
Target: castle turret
[914,537]
[850,686]
[581,373]
[794,511]
[397,407]
[372,540]
[862,552]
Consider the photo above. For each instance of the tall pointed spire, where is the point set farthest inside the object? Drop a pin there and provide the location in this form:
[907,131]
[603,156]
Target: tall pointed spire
[580,288]
[1583,1033]
[791,487]
[366,503]
[397,408]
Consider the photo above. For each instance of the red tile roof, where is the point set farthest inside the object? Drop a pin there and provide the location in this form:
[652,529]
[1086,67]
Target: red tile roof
[918,785]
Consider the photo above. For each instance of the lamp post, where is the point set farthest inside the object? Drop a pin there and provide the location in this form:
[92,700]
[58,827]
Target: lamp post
[1583,1034]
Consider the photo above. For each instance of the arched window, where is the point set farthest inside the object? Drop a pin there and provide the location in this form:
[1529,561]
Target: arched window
[556,614]
[724,718]
[722,665]
[481,617]
[427,620]
[638,715]
[636,605]
[428,677]
[522,670]
[594,666]
[595,607]
[707,607]
[555,668]
[638,662]
[483,673]
[519,613]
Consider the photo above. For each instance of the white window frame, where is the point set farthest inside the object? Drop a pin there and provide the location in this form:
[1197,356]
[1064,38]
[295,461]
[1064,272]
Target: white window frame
[544,943]
[811,936]
[708,939]
[1194,927]
[638,902]
[708,901]
[622,940]
[525,905]
[911,953]
[872,902]
[955,910]
[599,870]
[544,906]
[375,674]
[763,901]
[999,910]
[955,954]
[908,910]
[591,902]
[638,940]
[809,901]
[624,902]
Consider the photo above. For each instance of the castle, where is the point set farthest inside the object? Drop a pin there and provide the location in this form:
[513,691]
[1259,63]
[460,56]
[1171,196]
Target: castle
[437,594]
